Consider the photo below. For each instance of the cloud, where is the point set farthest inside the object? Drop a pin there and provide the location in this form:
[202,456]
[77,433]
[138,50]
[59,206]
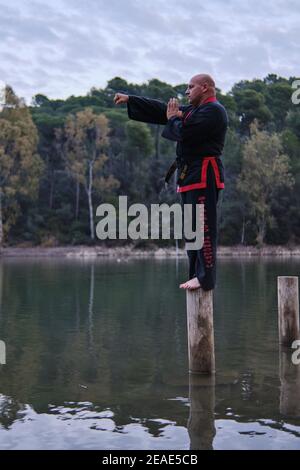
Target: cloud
[68,46]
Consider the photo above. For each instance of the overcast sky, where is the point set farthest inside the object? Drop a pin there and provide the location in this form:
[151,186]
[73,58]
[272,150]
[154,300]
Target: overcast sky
[65,47]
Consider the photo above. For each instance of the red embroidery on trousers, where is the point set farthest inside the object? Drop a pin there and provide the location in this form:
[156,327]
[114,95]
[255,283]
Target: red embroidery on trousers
[207,245]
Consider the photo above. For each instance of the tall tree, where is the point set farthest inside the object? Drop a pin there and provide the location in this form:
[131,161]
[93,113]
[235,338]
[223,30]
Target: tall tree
[265,169]
[138,147]
[20,165]
[86,140]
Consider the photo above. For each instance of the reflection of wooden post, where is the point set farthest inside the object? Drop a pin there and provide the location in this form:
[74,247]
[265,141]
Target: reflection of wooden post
[290,384]
[288,309]
[200,331]
[201,423]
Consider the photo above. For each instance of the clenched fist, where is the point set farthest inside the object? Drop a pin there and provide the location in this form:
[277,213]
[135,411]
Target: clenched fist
[121,98]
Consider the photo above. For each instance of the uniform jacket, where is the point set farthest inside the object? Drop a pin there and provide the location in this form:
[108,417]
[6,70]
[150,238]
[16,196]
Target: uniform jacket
[200,136]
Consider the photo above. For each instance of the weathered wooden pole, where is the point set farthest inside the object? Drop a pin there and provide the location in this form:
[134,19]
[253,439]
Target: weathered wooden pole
[288,309]
[289,384]
[200,331]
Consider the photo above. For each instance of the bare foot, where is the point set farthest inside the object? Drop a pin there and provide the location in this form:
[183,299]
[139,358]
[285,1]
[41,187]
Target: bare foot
[183,286]
[192,284]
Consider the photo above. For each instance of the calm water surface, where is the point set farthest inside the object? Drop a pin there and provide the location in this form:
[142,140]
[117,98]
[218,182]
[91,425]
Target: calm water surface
[97,358]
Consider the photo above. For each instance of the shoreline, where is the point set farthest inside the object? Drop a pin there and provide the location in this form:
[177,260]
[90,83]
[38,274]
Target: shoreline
[82,251]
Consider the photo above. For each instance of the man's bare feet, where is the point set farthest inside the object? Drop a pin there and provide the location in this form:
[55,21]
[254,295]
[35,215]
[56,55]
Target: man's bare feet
[192,284]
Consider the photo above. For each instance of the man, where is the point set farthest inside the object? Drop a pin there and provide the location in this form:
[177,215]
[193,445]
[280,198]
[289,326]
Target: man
[199,130]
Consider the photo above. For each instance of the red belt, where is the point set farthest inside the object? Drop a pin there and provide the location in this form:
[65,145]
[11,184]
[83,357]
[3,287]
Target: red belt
[203,182]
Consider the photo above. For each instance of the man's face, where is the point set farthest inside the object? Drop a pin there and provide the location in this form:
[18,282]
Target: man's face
[195,91]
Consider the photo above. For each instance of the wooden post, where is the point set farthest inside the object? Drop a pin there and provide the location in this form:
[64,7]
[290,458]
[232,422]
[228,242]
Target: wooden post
[288,309]
[200,331]
[289,384]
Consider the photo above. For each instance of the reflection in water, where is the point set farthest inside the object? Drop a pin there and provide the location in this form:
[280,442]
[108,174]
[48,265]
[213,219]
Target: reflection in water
[90,308]
[10,411]
[97,358]
[201,425]
[290,384]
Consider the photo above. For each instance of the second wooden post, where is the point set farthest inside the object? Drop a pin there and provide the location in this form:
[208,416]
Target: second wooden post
[288,309]
[200,331]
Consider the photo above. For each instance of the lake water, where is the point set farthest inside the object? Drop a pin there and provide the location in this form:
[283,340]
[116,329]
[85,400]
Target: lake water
[96,358]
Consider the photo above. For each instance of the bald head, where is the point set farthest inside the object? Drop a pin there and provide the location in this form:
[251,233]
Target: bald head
[201,87]
[203,78]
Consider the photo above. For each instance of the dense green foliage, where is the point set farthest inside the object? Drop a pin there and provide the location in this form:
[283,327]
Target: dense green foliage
[260,203]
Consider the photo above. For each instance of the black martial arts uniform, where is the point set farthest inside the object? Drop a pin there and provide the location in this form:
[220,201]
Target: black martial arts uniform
[200,137]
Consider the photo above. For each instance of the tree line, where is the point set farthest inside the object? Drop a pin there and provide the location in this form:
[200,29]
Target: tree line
[59,159]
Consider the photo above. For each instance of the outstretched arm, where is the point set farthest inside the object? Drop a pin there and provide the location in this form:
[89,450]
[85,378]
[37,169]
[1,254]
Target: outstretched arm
[148,110]
[143,109]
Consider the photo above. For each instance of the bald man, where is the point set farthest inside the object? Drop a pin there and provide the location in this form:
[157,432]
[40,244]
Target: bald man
[199,130]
